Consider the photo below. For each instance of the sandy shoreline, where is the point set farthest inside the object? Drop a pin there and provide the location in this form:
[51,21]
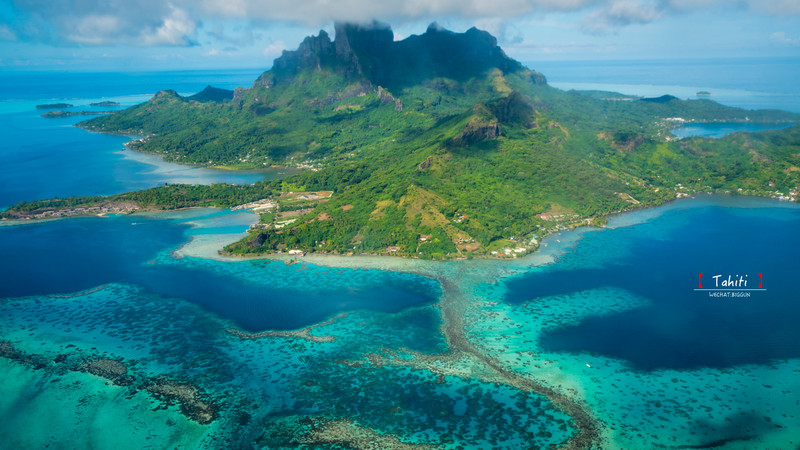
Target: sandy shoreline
[552,247]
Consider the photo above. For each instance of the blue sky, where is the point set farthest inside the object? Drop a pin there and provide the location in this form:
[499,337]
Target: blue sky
[84,35]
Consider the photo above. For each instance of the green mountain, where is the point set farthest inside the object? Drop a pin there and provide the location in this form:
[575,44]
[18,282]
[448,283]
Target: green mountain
[212,94]
[439,145]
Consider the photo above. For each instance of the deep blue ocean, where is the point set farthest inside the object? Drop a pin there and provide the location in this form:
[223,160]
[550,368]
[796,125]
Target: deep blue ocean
[45,158]
[58,86]
[74,255]
[120,288]
[750,83]
[661,261]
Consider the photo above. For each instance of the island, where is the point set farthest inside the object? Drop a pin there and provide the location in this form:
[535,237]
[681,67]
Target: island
[436,146]
[104,103]
[60,114]
[54,106]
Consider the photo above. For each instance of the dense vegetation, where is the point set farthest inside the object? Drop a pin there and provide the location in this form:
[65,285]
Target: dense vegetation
[439,146]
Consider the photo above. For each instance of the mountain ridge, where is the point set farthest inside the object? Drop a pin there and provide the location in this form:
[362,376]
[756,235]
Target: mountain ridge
[370,51]
[438,146]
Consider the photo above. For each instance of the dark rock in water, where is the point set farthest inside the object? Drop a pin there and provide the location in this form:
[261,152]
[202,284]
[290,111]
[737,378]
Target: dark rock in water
[7,350]
[38,362]
[188,396]
[124,380]
[109,369]
[244,418]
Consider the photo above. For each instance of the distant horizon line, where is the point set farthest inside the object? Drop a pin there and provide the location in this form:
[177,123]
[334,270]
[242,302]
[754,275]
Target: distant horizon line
[527,63]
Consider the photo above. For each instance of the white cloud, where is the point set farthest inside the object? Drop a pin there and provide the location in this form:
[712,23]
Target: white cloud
[619,14]
[772,7]
[780,37]
[99,22]
[241,36]
[94,29]
[175,29]
[501,29]
[274,49]
[175,22]
[777,7]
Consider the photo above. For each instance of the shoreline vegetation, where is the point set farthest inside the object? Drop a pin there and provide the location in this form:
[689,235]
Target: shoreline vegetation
[278,208]
[463,358]
[194,197]
[434,157]
[423,157]
[475,157]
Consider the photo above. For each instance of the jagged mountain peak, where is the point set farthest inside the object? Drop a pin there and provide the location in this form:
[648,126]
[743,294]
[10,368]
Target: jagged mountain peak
[369,51]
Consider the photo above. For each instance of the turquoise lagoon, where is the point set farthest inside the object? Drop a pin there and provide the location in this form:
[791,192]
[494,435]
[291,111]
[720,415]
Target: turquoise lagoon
[45,158]
[617,322]
[720,129]
[608,317]
[603,325]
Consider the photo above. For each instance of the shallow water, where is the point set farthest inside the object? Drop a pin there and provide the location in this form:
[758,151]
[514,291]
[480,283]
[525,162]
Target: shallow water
[661,261]
[45,158]
[720,129]
[607,317]
[77,254]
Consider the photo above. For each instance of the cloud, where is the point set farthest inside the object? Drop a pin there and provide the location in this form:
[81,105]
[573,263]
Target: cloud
[244,38]
[771,7]
[227,51]
[531,48]
[175,29]
[501,29]
[780,37]
[778,7]
[176,22]
[620,14]
[100,22]
[274,49]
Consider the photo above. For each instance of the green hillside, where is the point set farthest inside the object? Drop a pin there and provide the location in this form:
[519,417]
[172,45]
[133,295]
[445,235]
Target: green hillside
[438,146]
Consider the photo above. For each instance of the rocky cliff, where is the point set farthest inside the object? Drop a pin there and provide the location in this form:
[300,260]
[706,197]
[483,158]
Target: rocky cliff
[369,51]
